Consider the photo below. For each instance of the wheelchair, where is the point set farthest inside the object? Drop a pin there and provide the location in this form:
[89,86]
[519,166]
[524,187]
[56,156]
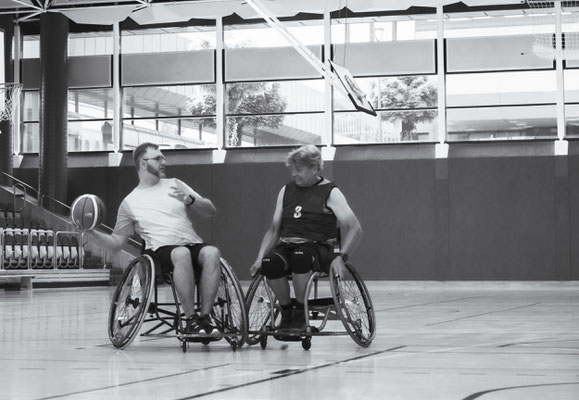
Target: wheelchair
[136,302]
[347,300]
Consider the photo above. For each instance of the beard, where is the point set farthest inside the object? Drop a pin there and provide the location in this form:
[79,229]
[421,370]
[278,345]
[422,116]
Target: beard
[156,172]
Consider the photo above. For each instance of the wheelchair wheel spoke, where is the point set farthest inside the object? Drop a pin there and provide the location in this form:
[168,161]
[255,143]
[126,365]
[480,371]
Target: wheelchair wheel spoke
[355,307]
[131,300]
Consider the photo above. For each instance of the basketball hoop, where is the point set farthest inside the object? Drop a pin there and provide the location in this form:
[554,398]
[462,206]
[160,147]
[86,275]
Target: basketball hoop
[544,13]
[9,100]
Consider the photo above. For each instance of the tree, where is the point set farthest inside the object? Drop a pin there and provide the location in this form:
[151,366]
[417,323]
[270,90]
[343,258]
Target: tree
[252,104]
[255,102]
[407,96]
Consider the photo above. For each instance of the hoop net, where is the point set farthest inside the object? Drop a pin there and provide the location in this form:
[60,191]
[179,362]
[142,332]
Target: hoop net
[544,24]
[9,100]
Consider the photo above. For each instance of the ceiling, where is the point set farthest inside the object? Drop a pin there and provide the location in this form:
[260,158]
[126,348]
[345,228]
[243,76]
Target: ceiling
[145,12]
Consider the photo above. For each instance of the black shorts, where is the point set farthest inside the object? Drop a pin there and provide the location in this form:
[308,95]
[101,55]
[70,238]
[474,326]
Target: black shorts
[323,254]
[162,258]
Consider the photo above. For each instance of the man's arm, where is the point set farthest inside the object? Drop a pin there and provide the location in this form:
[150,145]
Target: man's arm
[271,235]
[113,242]
[339,205]
[193,200]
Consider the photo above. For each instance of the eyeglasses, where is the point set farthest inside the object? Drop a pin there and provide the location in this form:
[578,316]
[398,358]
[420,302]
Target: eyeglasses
[158,158]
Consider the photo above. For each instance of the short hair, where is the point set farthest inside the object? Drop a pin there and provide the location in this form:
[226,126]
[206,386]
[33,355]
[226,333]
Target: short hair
[308,155]
[140,150]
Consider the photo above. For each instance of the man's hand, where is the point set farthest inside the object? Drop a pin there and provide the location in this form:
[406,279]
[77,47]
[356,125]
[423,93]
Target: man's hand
[254,269]
[339,267]
[179,195]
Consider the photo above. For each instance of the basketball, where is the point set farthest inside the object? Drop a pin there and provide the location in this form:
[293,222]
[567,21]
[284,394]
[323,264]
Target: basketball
[87,212]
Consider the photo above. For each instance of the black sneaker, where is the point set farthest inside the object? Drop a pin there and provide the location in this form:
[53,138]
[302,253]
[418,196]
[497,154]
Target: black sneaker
[298,319]
[206,325]
[200,325]
[286,319]
[192,324]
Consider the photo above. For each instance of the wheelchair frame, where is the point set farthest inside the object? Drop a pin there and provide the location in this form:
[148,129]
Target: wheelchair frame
[137,295]
[350,303]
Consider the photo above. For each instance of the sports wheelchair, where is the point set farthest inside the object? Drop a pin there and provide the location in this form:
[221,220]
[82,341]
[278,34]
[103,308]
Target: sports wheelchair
[136,301]
[347,299]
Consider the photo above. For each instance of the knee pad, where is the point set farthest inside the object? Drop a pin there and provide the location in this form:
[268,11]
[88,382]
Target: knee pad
[273,266]
[302,260]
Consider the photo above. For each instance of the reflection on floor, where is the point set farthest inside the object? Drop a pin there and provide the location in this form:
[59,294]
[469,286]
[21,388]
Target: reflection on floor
[435,341]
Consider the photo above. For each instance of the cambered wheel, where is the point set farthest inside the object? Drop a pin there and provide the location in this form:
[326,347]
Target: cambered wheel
[259,303]
[354,306]
[229,311]
[131,301]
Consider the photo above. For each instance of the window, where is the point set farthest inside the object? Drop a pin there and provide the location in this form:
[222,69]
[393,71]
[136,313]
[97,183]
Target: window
[406,107]
[167,39]
[274,113]
[182,115]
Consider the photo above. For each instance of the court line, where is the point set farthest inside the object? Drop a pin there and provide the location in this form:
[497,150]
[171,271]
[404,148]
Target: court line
[479,394]
[427,304]
[487,313]
[289,373]
[82,392]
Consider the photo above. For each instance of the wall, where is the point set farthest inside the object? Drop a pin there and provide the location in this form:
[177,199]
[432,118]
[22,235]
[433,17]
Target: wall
[491,211]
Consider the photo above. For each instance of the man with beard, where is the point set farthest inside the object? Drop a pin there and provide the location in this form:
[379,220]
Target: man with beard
[159,211]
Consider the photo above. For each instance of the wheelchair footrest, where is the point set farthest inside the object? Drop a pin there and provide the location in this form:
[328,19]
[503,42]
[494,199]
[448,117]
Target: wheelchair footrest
[321,302]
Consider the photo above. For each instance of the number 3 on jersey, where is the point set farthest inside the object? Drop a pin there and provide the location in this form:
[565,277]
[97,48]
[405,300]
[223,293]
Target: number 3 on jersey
[298,212]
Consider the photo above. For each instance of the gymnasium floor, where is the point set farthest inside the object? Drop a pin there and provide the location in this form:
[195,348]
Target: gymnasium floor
[458,341]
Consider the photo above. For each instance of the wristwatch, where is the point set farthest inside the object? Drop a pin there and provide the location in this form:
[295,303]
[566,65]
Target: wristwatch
[344,256]
[192,199]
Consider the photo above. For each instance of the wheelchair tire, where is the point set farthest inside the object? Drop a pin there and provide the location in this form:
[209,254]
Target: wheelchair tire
[354,306]
[131,301]
[229,312]
[259,303]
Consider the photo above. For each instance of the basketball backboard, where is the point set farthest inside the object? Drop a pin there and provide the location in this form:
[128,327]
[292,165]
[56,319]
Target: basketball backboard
[355,94]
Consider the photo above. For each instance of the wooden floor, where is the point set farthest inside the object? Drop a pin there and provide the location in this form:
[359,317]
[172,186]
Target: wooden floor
[435,341]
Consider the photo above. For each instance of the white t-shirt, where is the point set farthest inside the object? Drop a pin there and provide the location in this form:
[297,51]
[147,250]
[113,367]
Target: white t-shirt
[159,219]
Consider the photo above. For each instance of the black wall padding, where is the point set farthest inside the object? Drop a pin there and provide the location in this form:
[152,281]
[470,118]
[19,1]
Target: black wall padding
[53,173]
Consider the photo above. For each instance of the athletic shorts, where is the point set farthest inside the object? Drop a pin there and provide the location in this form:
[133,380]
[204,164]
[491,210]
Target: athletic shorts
[162,257]
[323,254]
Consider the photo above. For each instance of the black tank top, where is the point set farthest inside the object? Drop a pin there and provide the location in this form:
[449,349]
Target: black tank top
[305,213]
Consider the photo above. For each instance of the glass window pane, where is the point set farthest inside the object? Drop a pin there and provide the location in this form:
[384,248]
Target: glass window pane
[168,39]
[572,85]
[572,120]
[170,133]
[90,43]
[525,122]
[163,101]
[31,105]
[30,46]
[405,92]
[90,136]
[389,127]
[307,32]
[274,130]
[384,28]
[90,104]
[275,97]
[31,137]
[493,23]
[501,88]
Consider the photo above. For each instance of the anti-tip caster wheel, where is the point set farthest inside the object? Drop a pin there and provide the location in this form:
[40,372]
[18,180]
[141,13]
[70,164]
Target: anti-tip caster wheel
[263,342]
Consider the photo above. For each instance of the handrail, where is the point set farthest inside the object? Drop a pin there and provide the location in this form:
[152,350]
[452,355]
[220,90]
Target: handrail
[133,242]
[45,196]
[19,181]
